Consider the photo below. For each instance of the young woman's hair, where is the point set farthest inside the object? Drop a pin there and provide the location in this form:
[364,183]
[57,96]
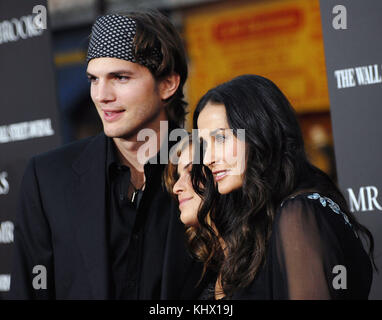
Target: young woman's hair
[276,168]
[170,174]
[155,31]
[198,239]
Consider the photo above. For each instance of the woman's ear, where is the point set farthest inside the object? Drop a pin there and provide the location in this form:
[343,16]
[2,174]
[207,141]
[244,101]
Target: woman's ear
[169,85]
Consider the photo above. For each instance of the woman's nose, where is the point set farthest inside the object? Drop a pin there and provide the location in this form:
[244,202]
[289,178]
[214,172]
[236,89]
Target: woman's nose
[209,155]
[178,187]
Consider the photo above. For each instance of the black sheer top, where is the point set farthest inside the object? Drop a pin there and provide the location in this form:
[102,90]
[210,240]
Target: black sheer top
[313,253]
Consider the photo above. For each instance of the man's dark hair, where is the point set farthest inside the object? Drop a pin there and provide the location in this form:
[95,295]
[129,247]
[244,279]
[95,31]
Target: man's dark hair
[155,31]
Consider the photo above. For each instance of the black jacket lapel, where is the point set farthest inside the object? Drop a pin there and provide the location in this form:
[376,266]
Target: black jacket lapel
[89,214]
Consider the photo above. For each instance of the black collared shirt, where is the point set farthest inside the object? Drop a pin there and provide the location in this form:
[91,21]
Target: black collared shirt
[137,232]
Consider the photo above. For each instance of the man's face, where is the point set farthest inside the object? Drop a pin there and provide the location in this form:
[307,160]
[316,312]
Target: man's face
[126,96]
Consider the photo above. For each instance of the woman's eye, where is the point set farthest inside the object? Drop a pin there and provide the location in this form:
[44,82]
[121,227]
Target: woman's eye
[220,138]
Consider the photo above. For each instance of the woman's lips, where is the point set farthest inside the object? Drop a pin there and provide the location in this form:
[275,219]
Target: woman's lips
[183,201]
[219,175]
[111,116]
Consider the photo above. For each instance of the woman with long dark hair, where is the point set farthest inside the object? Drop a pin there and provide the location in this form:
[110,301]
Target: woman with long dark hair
[178,181]
[272,225]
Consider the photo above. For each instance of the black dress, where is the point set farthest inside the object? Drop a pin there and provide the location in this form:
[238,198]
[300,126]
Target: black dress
[313,253]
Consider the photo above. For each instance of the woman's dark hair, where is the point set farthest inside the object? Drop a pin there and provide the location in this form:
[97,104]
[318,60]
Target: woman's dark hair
[276,168]
[198,239]
[154,31]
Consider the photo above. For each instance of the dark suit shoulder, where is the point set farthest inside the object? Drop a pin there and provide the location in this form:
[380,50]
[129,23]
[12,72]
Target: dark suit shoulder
[63,157]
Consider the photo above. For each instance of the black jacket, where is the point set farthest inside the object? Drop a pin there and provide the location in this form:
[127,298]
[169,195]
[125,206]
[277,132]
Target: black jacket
[61,225]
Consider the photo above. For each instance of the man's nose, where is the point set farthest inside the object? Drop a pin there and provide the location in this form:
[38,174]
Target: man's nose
[104,92]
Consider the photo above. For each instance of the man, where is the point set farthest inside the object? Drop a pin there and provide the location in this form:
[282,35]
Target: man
[94,217]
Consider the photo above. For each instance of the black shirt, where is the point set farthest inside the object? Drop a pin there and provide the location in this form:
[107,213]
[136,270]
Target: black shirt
[137,231]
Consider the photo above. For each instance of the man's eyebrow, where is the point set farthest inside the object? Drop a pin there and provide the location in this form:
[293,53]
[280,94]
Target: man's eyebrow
[120,72]
[113,73]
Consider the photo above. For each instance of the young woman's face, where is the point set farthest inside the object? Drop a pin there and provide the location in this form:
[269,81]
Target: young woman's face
[189,201]
[224,153]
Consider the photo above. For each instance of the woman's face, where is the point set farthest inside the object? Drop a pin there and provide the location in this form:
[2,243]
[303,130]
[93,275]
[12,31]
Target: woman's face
[224,153]
[189,201]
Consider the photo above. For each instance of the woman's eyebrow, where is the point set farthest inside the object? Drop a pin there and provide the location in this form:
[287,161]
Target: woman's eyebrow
[214,132]
[185,167]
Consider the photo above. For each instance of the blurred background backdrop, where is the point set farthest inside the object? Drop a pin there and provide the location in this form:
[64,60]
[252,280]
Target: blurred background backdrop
[278,39]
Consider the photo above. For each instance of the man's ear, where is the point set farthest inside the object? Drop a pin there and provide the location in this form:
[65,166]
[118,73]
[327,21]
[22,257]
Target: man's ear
[169,85]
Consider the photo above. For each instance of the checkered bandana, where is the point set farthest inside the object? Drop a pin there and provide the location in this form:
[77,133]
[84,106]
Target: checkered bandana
[112,36]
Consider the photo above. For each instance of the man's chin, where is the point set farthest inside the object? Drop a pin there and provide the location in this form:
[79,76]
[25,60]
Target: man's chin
[113,133]
[119,133]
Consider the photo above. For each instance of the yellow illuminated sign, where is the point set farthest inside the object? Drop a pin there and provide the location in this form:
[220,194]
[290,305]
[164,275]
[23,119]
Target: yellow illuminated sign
[281,40]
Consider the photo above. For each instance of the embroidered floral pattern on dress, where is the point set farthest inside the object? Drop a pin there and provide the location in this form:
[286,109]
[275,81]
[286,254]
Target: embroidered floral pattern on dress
[331,204]
[325,201]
